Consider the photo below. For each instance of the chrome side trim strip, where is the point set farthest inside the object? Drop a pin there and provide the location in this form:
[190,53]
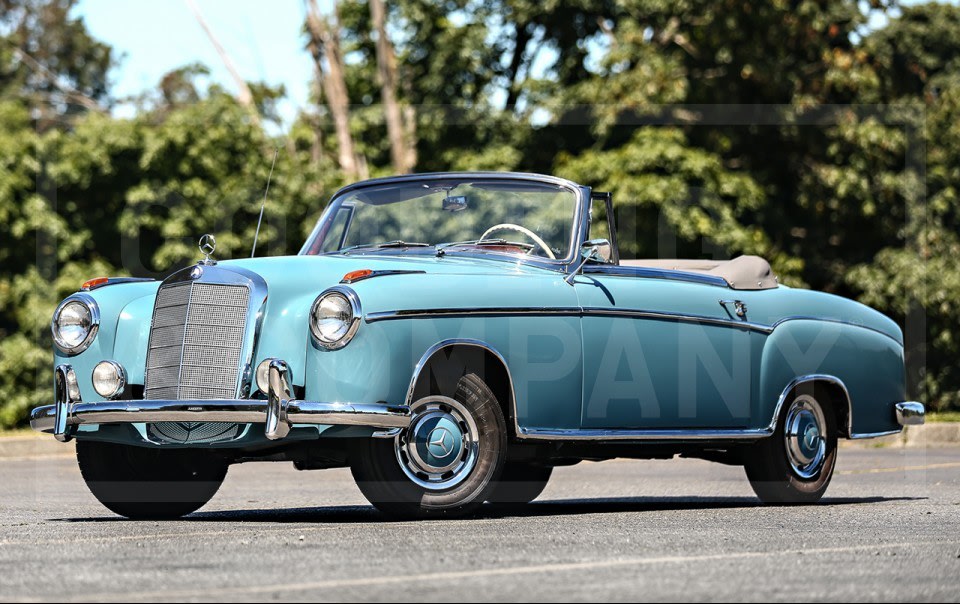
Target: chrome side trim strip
[645,435]
[679,317]
[598,312]
[874,434]
[469,312]
[655,273]
[563,312]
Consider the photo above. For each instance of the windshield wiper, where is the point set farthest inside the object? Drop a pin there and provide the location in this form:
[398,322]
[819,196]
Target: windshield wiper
[483,243]
[388,244]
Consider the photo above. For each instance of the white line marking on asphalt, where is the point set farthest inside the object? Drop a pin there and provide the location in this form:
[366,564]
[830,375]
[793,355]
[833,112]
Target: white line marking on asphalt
[933,466]
[38,457]
[433,578]
[149,537]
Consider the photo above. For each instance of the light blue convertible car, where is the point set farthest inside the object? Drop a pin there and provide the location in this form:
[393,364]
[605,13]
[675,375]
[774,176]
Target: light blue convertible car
[452,338]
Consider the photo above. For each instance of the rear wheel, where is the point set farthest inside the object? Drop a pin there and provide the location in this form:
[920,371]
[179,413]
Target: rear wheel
[796,463]
[520,483]
[444,464]
[150,483]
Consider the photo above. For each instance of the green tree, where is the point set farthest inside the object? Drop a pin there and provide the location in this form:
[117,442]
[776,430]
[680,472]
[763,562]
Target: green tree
[918,281]
[50,60]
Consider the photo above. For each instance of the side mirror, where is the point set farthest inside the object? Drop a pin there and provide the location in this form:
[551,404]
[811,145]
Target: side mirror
[598,250]
[593,250]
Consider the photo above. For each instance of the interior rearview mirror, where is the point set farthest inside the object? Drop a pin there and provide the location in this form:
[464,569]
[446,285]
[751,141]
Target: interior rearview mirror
[455,203]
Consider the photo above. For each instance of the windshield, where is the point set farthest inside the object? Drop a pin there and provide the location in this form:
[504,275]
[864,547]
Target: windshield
[457,214]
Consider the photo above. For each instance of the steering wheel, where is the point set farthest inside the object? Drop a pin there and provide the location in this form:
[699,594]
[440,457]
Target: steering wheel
[509,226]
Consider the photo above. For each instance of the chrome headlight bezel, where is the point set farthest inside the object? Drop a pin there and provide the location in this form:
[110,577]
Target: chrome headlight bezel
[92,308]
[352,324]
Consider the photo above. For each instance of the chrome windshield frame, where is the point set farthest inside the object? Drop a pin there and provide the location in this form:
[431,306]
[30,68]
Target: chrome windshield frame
[577,229]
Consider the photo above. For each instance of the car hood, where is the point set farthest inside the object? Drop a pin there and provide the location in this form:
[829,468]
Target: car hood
[312,272]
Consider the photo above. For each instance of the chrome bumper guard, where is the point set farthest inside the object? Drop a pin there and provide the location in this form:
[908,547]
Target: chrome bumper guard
[278,413]
[910,413]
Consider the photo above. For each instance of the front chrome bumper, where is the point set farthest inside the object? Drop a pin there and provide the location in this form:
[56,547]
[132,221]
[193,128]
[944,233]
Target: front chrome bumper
[278,413]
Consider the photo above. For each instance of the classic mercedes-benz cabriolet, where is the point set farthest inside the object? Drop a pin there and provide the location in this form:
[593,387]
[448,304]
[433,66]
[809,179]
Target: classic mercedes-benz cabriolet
[452,338]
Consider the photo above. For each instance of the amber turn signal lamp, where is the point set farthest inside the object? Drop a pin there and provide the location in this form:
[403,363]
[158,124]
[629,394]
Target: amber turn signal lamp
[88,285]
[355,275]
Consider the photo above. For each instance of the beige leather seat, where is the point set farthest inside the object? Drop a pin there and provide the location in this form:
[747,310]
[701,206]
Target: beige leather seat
[743,272]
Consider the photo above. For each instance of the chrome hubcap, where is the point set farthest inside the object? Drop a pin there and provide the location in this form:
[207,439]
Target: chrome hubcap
[439,449]
[804,433]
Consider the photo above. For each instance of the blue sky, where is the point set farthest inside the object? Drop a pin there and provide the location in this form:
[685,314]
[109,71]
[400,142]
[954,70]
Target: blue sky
[262,37]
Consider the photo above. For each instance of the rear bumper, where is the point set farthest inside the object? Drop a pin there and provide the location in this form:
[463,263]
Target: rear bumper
[910,413]
[278,413]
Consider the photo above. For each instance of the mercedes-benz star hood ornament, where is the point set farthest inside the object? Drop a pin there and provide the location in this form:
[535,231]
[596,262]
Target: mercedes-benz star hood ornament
[208,244]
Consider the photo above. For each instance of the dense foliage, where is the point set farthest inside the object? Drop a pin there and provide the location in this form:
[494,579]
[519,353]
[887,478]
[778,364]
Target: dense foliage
[785,128]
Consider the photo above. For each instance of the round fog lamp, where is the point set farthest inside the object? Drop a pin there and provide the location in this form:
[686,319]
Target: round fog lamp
[109,379]
[263,376]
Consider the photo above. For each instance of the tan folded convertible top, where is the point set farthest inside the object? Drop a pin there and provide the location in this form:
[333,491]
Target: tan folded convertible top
[743,272]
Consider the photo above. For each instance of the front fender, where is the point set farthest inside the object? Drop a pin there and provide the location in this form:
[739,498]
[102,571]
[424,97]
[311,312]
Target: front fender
[125,313]
[542,352]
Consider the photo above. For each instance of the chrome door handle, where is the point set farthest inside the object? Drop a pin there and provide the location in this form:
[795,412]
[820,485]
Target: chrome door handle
[739,307]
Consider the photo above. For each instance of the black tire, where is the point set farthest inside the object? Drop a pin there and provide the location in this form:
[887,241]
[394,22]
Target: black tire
[768,463]
[380,477]
[520,483]
[148,483]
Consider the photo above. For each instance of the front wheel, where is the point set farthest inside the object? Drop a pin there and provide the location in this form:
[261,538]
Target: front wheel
[444,464]
[150,483]
[796,463]
[520,483]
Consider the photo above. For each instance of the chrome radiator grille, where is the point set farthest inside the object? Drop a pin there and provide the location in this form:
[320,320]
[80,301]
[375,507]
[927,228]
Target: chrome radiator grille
[196,341]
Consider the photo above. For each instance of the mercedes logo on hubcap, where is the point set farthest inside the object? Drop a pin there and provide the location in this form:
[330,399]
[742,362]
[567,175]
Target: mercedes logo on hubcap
[441,439]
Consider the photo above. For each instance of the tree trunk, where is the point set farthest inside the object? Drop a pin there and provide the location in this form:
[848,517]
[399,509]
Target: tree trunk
[517,61]
[325,43]
[402,147]
[244,96]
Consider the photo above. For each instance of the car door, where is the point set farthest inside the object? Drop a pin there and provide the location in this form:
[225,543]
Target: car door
[660,350]
[661,353]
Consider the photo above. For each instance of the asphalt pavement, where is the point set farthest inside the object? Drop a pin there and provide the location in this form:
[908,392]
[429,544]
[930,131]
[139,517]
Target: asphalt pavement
[888,529]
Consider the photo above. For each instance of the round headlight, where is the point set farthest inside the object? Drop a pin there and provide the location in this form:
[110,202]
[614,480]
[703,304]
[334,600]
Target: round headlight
[109,379]
[335,317]
[75,323]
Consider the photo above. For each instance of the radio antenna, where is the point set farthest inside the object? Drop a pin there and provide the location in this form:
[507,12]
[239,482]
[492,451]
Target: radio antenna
[264,203]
